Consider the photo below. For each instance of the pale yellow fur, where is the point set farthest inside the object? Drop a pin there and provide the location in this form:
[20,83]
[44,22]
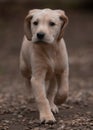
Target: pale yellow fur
[45,64]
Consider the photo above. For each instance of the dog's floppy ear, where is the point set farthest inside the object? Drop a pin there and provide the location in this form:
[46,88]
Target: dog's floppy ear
[27,23]
[64,20]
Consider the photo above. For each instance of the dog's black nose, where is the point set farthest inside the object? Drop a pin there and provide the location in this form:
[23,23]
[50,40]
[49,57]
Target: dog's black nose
[40,35]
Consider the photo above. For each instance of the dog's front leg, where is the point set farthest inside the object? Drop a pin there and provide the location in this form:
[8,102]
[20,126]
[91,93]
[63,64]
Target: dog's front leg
[38,86]
[63,88]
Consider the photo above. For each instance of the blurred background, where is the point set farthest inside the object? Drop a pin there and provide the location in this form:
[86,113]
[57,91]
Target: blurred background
[78,36]
[79,41]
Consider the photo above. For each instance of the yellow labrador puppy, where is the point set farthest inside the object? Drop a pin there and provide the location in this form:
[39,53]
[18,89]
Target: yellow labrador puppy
[44,60]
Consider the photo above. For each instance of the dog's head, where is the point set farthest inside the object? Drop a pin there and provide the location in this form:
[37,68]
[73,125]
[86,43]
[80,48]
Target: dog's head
[45,25]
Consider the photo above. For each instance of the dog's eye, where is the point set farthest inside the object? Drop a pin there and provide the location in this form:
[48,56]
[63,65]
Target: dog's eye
[52,24]
[35,23]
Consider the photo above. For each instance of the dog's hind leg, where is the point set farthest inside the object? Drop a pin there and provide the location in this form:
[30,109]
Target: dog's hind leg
[63,88]
[51,94]
[29,88]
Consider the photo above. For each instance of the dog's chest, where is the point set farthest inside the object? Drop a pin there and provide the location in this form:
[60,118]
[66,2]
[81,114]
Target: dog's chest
[56,63]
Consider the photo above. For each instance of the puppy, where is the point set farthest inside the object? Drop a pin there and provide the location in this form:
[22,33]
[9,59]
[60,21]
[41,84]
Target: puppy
[44,60]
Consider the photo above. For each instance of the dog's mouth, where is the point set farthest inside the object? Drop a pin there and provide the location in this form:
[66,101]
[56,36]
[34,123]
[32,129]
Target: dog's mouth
[40,42]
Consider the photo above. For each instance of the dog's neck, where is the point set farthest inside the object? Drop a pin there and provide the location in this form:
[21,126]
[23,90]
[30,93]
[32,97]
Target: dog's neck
[47,49]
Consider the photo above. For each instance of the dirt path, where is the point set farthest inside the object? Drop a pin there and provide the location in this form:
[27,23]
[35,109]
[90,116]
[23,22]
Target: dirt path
[17,112]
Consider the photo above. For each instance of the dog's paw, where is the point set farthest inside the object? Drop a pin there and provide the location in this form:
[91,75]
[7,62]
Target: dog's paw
[54,108]
[60,99]
[47,118]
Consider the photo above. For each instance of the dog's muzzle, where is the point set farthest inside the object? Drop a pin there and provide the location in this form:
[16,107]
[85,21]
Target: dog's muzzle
[40,35]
